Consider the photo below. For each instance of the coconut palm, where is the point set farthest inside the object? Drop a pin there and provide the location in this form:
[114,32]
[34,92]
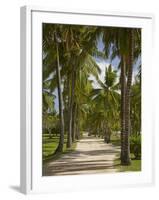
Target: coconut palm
[81,61]
[106,101]
[126,44]
[51,41]
[69,53]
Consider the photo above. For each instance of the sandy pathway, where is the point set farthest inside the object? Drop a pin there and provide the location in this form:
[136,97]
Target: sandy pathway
[92,155]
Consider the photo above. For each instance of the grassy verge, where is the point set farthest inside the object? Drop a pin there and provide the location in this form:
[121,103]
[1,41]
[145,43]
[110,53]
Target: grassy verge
[49,146]
[135,164]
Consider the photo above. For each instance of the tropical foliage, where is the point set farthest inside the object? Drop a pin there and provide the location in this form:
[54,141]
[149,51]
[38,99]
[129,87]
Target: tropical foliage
[78,98]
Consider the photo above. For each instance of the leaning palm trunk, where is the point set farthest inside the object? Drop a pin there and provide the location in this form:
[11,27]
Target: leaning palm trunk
[61,141]
[126,158]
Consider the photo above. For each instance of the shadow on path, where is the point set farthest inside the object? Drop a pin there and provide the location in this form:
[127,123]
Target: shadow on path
[92,155]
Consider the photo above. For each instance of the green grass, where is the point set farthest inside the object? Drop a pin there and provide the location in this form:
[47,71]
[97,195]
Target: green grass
[135,164]
[49,146]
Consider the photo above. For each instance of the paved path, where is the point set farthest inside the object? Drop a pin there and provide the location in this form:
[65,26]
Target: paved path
[91,156]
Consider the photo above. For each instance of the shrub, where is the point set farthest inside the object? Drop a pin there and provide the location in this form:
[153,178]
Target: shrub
[135,146]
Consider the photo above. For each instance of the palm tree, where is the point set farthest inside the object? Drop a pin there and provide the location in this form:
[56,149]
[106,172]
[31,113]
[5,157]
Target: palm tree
[106,101]
[75,54]
[133,53]
[125,155]
[61,141]
[83,87]
[80,59]
[51,53]
[120,42]
[123,91]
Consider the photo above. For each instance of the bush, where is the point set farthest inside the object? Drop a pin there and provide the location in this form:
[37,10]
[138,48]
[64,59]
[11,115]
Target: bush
[135,146]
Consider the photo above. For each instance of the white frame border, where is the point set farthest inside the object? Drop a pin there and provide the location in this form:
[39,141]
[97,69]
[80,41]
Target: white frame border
[26,87]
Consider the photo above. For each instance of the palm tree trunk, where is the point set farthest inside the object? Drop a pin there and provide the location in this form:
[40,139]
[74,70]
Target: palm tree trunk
[74,123]
[69,138]
[77,136]
[123,91]
[61,140]
[127,160]
[67,106]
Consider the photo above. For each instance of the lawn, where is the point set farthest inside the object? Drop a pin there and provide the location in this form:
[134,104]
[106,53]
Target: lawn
[135,164]
[49,146]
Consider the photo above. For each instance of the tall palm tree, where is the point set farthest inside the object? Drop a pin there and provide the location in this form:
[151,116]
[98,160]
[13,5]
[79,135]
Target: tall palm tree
[61,141]
[120,42]
[134,51]
[106,99]
[123,91]
[81,60]
[51,42]
[125,155]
